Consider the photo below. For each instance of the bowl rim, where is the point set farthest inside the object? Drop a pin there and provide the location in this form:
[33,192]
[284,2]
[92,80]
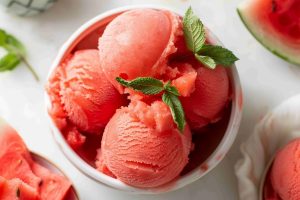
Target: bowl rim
[38,157]
[212,161]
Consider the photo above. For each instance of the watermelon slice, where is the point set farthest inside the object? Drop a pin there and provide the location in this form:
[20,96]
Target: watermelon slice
[275,24]
[15,189]
[21,178]
[53,186]
[11,142]
[13,165]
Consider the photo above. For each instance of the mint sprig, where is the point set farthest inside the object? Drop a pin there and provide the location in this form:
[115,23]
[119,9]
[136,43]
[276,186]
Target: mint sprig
[209,55]
[9,62]
[193,31]
[16,53]
[152,86]
[206,60]
[146,85]
[219,54]
[176,109]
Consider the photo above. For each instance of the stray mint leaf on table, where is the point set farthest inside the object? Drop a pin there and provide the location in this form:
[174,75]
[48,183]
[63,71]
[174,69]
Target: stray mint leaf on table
[2,37]
[14,45]
[9,62]
[16,53]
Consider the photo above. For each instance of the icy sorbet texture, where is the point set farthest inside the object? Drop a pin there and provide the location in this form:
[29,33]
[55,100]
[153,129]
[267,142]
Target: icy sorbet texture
[129,135]
[284,177]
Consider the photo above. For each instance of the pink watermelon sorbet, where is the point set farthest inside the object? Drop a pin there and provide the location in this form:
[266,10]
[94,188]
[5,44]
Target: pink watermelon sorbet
[82,99]
[142,146]
[283,183]
[137,43]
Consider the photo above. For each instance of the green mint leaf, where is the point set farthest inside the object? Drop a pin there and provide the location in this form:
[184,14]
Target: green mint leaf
[2,37]
[219,54]
[207,61]
[146,85]
[14,45]
[152,86]
[16,53]
[168,87]
[123,81]
[11,44]
[209,55]
[193,30]
[176,109]
[9,62]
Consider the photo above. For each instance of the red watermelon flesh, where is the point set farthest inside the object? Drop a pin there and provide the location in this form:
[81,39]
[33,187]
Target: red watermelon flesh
[284,16]
[13,165]
[20,177]
[15,189]
[53,186]
[275,24]
[11,142]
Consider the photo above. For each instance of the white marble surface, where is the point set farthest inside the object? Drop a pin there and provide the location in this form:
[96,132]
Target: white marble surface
[266,81]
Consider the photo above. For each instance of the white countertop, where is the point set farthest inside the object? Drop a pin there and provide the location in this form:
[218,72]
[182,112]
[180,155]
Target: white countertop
[266,81]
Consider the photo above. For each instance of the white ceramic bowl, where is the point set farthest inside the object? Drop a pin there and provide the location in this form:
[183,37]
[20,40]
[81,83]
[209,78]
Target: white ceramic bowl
[210,163]
[272,133]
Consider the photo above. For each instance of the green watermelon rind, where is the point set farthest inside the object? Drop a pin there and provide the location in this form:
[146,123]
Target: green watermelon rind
[275,50]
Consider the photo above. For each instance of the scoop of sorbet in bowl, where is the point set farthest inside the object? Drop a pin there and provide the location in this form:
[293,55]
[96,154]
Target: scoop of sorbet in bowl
[137,42]
[143,147]
[82,93]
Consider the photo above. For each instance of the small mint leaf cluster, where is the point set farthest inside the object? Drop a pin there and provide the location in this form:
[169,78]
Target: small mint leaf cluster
[16,54]
[209,55]
[153,86]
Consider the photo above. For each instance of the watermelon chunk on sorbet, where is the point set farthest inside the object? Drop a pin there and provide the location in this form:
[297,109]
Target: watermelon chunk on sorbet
[22,178]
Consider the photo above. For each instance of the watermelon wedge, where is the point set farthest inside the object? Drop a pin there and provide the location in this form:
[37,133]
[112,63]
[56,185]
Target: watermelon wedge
[21,178]
[15,166]
[275,24]
[53,186]
[15,189]
[11,142]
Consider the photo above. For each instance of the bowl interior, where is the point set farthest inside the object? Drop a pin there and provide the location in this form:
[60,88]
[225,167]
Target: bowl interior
[211,145]
[72,195]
